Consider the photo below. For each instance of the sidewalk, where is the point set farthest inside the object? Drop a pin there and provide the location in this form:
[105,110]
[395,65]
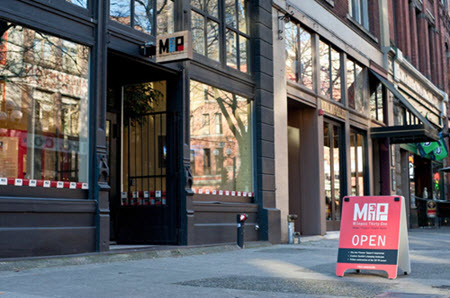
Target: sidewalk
[135,252]
[263,270]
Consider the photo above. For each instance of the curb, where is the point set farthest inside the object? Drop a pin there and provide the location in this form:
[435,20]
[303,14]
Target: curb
[19,264]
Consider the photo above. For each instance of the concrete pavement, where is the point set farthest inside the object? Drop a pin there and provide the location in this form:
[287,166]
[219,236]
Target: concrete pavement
[307,269]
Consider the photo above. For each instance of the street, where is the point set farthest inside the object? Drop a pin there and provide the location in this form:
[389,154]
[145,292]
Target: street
[306,269]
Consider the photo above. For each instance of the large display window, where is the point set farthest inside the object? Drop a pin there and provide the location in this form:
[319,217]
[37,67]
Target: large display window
[43,107]
[221,152]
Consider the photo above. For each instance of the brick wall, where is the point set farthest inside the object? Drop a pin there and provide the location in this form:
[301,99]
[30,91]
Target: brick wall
[340,9]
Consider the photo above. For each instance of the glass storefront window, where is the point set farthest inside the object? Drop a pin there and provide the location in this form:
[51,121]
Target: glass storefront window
[82,3]
[376,102]
[43,106]
[330,72]
[208,40]
[221,155]
[299,66]
[356,84]
[140,14]
[357,161]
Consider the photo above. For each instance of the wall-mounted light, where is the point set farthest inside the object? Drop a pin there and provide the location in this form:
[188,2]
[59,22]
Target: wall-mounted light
[148,49]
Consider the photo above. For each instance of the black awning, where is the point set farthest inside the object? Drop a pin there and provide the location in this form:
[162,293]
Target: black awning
[416,133]
[401,134]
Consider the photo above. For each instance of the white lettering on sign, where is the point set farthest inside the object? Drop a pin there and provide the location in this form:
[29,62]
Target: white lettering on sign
[372,211]
[372,240]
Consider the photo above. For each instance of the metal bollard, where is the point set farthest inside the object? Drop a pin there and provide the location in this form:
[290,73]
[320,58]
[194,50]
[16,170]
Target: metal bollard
[241,218]
[291,227]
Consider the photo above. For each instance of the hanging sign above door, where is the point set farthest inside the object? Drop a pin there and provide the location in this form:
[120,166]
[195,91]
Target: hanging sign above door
[373,235]
[174,47]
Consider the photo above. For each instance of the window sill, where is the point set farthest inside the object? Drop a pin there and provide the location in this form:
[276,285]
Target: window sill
[360,27]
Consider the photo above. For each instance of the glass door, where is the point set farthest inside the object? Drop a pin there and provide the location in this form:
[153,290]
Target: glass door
[332,169]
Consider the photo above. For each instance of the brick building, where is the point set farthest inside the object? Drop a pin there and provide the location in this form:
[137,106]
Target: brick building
[344,87]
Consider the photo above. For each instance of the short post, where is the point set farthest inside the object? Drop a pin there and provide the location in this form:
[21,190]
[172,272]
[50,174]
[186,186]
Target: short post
[291,227]
[241,218]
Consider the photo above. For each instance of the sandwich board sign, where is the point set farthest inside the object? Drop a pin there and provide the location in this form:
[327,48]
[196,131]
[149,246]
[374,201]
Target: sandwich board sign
[373,235]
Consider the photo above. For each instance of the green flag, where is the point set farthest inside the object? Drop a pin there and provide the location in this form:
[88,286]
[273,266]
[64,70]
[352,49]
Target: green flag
[429,146]
[440,152]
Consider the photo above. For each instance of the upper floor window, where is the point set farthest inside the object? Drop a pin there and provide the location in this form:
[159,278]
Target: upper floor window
[299,62]
[330,72]
[150,16]
[221,35]
[82,3]
[359,11]
[356,80]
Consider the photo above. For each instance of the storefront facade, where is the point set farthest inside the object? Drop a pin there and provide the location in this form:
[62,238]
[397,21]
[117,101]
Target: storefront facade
[103,143]
[327,100]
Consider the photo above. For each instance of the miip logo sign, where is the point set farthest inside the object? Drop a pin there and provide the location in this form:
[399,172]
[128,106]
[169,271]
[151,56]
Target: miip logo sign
[371,212]
[173,47]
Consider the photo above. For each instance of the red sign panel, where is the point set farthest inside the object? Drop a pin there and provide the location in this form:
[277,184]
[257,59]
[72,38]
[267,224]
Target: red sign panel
[370,234]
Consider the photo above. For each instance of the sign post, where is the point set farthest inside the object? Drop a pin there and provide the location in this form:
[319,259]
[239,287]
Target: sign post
[373,235]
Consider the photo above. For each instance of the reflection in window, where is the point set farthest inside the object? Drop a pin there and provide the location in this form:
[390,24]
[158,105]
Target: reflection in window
[198,33]
[356,82]
[235,25]
[299,66]
[212,40]
[291,47]
[376,101]
[330,72]
[230,166]
[218,123]
[357,160]
[82,3]
[120,11]
[43,107]
[205,124]
[140,14]
[331,138]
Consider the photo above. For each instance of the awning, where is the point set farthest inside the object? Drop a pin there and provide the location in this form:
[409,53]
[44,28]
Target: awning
[398,134]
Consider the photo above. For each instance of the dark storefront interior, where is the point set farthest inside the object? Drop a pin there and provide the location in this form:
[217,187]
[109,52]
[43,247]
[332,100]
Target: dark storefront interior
[140,141]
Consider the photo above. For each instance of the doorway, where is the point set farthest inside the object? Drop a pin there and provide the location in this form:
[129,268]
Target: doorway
[141,150]
[333,167]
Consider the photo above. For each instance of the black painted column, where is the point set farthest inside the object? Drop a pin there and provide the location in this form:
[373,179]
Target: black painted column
[99,188]
[261,30]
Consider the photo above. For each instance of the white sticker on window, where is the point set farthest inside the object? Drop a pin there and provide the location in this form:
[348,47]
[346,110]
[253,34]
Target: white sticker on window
[18,182]
[32,183]
[47,183]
